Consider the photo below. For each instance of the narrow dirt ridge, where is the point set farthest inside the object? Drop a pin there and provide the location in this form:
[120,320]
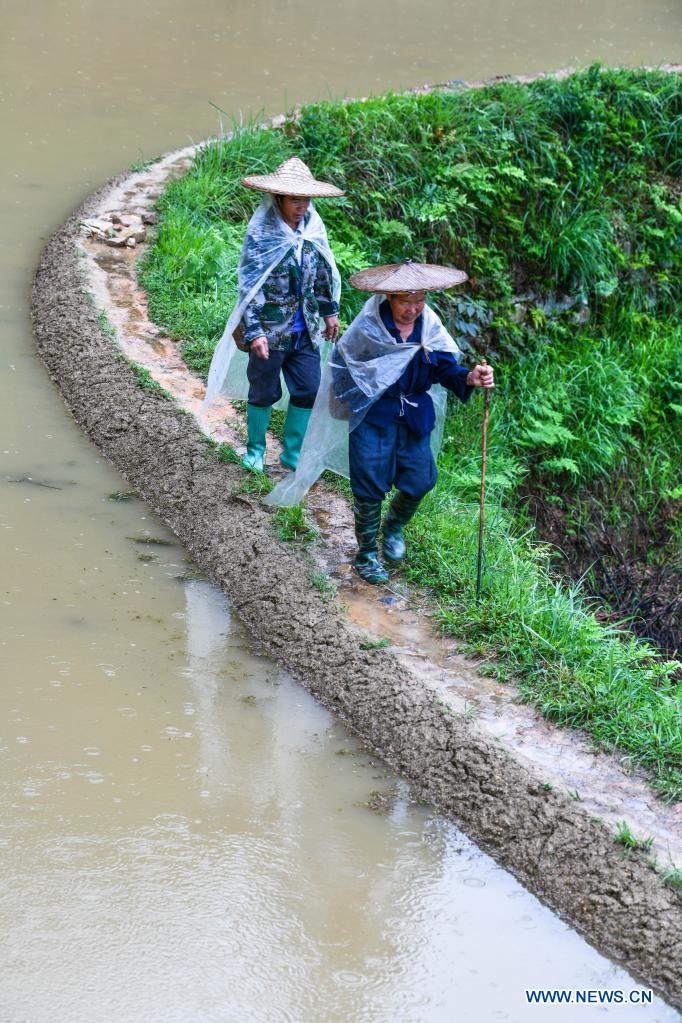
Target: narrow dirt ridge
[542,836]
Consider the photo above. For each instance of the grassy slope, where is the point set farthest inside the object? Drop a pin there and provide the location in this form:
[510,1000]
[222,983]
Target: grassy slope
[561,200]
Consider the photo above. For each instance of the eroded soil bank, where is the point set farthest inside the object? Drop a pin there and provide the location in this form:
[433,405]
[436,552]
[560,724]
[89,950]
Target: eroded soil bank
[550,841]
[644,594]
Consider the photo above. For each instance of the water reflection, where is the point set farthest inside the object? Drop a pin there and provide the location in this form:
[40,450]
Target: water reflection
[200,847]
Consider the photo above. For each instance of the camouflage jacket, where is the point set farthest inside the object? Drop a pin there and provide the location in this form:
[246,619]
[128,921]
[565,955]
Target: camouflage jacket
[272,310]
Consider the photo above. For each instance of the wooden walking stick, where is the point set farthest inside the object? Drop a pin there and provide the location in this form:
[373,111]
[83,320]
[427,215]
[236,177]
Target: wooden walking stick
[484,441]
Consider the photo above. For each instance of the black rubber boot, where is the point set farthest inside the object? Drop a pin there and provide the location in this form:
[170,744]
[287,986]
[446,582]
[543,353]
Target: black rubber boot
[367,521]
[398,515]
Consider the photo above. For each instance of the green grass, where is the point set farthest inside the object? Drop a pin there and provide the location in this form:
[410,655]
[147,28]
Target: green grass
[374,644]
[324,585]
[574,669]
[562,202]
[630,843]
[143,164]
[673,877]
[226,453]
[104,322]
[253,482]
[148,383]
[293,525]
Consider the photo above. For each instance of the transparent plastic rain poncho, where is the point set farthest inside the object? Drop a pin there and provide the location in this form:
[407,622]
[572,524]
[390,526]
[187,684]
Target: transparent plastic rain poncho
[267,240]
[366,361]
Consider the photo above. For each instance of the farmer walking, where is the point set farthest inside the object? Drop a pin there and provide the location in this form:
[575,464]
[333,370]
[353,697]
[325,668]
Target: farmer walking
[383,389]
[288,285]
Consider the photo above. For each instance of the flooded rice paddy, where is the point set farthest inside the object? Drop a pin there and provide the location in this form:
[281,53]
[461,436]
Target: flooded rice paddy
[187,835]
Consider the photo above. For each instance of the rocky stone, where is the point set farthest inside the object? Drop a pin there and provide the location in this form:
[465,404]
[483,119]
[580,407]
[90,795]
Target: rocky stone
[127,219]
[129,236]
[98,228]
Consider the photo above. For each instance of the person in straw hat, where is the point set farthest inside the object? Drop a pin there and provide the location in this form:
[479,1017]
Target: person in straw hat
[288,285]
[383,389]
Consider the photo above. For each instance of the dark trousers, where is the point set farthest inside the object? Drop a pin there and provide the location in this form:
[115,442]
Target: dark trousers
[388,456]
[301,368]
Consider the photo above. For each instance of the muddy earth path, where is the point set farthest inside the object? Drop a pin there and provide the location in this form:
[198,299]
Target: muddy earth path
[538,798]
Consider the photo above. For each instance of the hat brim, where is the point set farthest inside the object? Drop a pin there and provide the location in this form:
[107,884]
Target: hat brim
[281,186]
[407,278]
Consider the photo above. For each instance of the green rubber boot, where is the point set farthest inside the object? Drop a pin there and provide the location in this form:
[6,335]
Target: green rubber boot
[257,422]
[367,519]
[295,426]
[399,514]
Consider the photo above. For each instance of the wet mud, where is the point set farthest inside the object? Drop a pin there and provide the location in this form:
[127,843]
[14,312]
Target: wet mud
[462,741]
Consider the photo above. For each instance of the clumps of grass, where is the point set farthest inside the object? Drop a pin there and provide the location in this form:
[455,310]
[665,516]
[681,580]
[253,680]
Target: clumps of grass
[226,453]
[107,327]
[209,441]
[668,780]
[143,164]
[630,843]
[443,707]
[673,877]
[148,383]
[374,644]
[258,483]
[276,426]
[471,711]
[293,526]
[324,585]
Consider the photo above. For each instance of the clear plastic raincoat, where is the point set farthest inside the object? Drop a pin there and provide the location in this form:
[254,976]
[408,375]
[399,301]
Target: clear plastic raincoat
[366,361]
[267,240]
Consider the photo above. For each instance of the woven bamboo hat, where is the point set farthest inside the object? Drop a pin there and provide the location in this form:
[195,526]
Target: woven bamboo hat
[293,177]
[395,278]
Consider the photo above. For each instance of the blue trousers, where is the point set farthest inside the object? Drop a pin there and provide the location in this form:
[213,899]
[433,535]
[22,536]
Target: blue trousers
[300,366]
[388,456]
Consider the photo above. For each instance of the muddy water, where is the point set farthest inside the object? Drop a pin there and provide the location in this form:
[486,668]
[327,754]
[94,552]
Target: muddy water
[184,832]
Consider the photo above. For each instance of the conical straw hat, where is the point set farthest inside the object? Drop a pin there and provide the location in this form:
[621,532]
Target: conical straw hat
[293,177]
[394,278]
